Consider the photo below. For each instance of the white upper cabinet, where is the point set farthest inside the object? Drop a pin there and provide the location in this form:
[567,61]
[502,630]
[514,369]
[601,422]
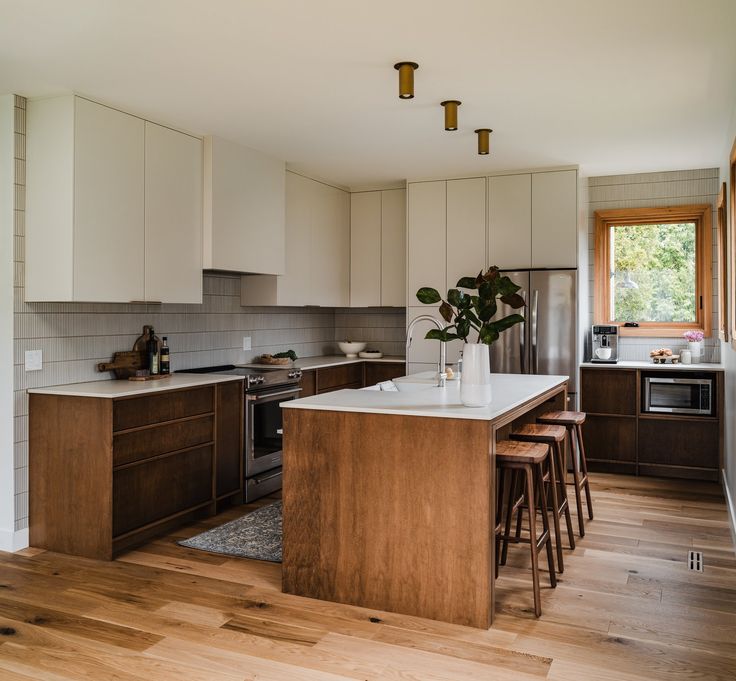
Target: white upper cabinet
[510,221]
[427,227]
[244,209]
[554,219]
[317,250]
[365,249]
[85,188]
[466,228]
[393,247]
[89,199]
[378,248]
[173,216]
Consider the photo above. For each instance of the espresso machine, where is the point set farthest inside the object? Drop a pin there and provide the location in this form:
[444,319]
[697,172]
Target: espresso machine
[605,344]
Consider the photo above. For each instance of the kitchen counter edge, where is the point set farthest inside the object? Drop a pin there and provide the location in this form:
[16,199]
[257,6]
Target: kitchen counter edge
[111,389]
[308,363]
[632,364]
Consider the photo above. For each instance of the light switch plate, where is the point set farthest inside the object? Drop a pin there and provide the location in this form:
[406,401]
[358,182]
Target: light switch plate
[34,360]
[246,343]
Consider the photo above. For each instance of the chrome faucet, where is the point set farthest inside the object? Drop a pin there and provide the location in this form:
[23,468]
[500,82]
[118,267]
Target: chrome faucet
[441,374]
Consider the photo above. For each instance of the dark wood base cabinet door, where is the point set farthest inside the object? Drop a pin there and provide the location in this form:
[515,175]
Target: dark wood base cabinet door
[610,444]
[377,372]
[229,472]
[679,448]
[147,492]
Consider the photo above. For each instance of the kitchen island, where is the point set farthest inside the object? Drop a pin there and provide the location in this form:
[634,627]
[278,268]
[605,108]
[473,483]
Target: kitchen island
[389,497]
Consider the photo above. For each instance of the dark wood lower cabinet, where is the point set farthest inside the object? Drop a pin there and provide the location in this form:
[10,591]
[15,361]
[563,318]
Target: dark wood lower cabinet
[357,375]
[106,474]
[377,372]
[625,440]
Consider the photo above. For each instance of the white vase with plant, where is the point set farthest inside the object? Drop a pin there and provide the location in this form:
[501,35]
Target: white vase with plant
[695,344]
[474,311]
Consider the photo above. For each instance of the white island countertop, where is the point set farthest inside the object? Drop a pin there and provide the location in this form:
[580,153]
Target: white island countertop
[122,388]
[418,395]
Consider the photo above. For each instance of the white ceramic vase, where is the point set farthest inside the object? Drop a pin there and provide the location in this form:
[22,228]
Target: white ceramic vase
[696,350]
[475,380]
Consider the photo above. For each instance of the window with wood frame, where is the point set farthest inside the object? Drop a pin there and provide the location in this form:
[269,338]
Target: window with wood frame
[653,268]
[722,250]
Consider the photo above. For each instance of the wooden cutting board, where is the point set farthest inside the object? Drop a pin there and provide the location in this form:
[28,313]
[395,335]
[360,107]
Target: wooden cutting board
[125,364]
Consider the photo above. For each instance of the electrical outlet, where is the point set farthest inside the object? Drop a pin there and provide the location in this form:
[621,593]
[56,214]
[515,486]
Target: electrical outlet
[246,343]
[34,360]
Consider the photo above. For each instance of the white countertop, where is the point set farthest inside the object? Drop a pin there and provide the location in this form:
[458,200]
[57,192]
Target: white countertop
[421,397]
[623,364]
[122,388]
[329,361]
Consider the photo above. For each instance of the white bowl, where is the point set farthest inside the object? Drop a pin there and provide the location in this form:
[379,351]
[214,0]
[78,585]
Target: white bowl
[351,349]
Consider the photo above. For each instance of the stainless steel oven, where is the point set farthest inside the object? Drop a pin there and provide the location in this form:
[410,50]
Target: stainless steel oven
[678,394]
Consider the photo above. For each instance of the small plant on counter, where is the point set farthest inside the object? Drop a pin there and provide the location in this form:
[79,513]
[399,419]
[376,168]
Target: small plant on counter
[289,353]
[468,312]
[693,336]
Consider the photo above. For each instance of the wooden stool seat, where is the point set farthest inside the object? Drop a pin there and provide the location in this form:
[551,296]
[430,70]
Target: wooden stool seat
[553,435]
[511,452]
[521,486]
[563,418]
[573,421]
[537,432]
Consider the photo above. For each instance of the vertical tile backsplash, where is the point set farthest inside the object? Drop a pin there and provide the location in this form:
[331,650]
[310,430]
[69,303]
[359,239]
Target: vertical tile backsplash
[647,190]
[74,337]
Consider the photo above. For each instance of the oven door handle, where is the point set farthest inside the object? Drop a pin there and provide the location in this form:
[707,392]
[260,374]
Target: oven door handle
[258,479]
[255,398]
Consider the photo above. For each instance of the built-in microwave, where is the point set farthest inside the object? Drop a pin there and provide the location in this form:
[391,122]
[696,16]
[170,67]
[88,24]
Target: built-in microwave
[678,394]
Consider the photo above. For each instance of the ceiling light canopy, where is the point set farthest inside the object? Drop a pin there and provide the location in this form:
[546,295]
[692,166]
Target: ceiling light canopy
[406,78]
[450,106]
[484,140]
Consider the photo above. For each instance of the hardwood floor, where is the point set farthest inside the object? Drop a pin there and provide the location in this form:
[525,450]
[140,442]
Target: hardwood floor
[626,609]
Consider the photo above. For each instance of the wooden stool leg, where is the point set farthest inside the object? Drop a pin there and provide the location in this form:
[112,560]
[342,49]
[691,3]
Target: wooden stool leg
[584,464]
[560,453]
[577,484]
[509,514]
[531,508]
[502,487]
[545,525]
[555,504]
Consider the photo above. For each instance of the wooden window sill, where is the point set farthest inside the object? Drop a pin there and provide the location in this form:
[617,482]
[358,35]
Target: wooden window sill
[655,331]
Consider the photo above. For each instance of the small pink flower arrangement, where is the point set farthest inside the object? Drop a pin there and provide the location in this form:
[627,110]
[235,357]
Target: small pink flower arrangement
[693,336]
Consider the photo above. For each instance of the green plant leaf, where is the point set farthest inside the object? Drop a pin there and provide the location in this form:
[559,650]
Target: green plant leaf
[472,317]
[513,300]
[487,291]
[467,282]
[488,335]
[443,335]
[488,310]
[454,297]
[506,287]
[506,322]
[428,295]
[447,312]
[491,274]
[463,328]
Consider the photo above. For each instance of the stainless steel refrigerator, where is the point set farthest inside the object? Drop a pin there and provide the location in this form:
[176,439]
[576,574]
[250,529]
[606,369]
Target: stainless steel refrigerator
[546,342]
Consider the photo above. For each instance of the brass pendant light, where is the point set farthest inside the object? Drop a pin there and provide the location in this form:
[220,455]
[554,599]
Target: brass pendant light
[484,140]
[450,106]
[406,78]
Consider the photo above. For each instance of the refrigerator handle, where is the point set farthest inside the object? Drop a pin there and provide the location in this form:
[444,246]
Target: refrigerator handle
[522,340]
[534,334]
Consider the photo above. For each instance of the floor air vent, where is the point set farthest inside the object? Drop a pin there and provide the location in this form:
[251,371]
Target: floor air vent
[695,561]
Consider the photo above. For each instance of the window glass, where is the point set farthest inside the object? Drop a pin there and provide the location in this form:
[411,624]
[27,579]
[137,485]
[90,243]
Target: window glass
[653,272]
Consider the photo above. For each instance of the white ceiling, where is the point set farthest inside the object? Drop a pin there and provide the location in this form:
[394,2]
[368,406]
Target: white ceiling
[622,86]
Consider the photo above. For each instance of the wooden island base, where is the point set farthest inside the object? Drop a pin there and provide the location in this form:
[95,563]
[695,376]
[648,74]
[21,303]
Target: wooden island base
[395,512]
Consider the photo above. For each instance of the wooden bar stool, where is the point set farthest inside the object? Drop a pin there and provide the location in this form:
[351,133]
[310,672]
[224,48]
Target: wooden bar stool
[573,421]
[524,461]
[554,436]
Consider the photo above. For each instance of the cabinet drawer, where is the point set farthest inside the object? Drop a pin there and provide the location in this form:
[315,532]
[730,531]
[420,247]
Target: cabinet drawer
[377,372]
[168,437]
[333,378]
[676,442]
[308,384]
[152,491]
[166,406]
[608,391]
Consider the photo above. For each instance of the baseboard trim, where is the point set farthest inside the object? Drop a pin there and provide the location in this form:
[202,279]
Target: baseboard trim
[13,541]
[730,508]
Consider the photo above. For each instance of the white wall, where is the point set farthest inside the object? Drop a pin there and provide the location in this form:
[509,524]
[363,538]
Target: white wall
[728,353]
[8,539]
